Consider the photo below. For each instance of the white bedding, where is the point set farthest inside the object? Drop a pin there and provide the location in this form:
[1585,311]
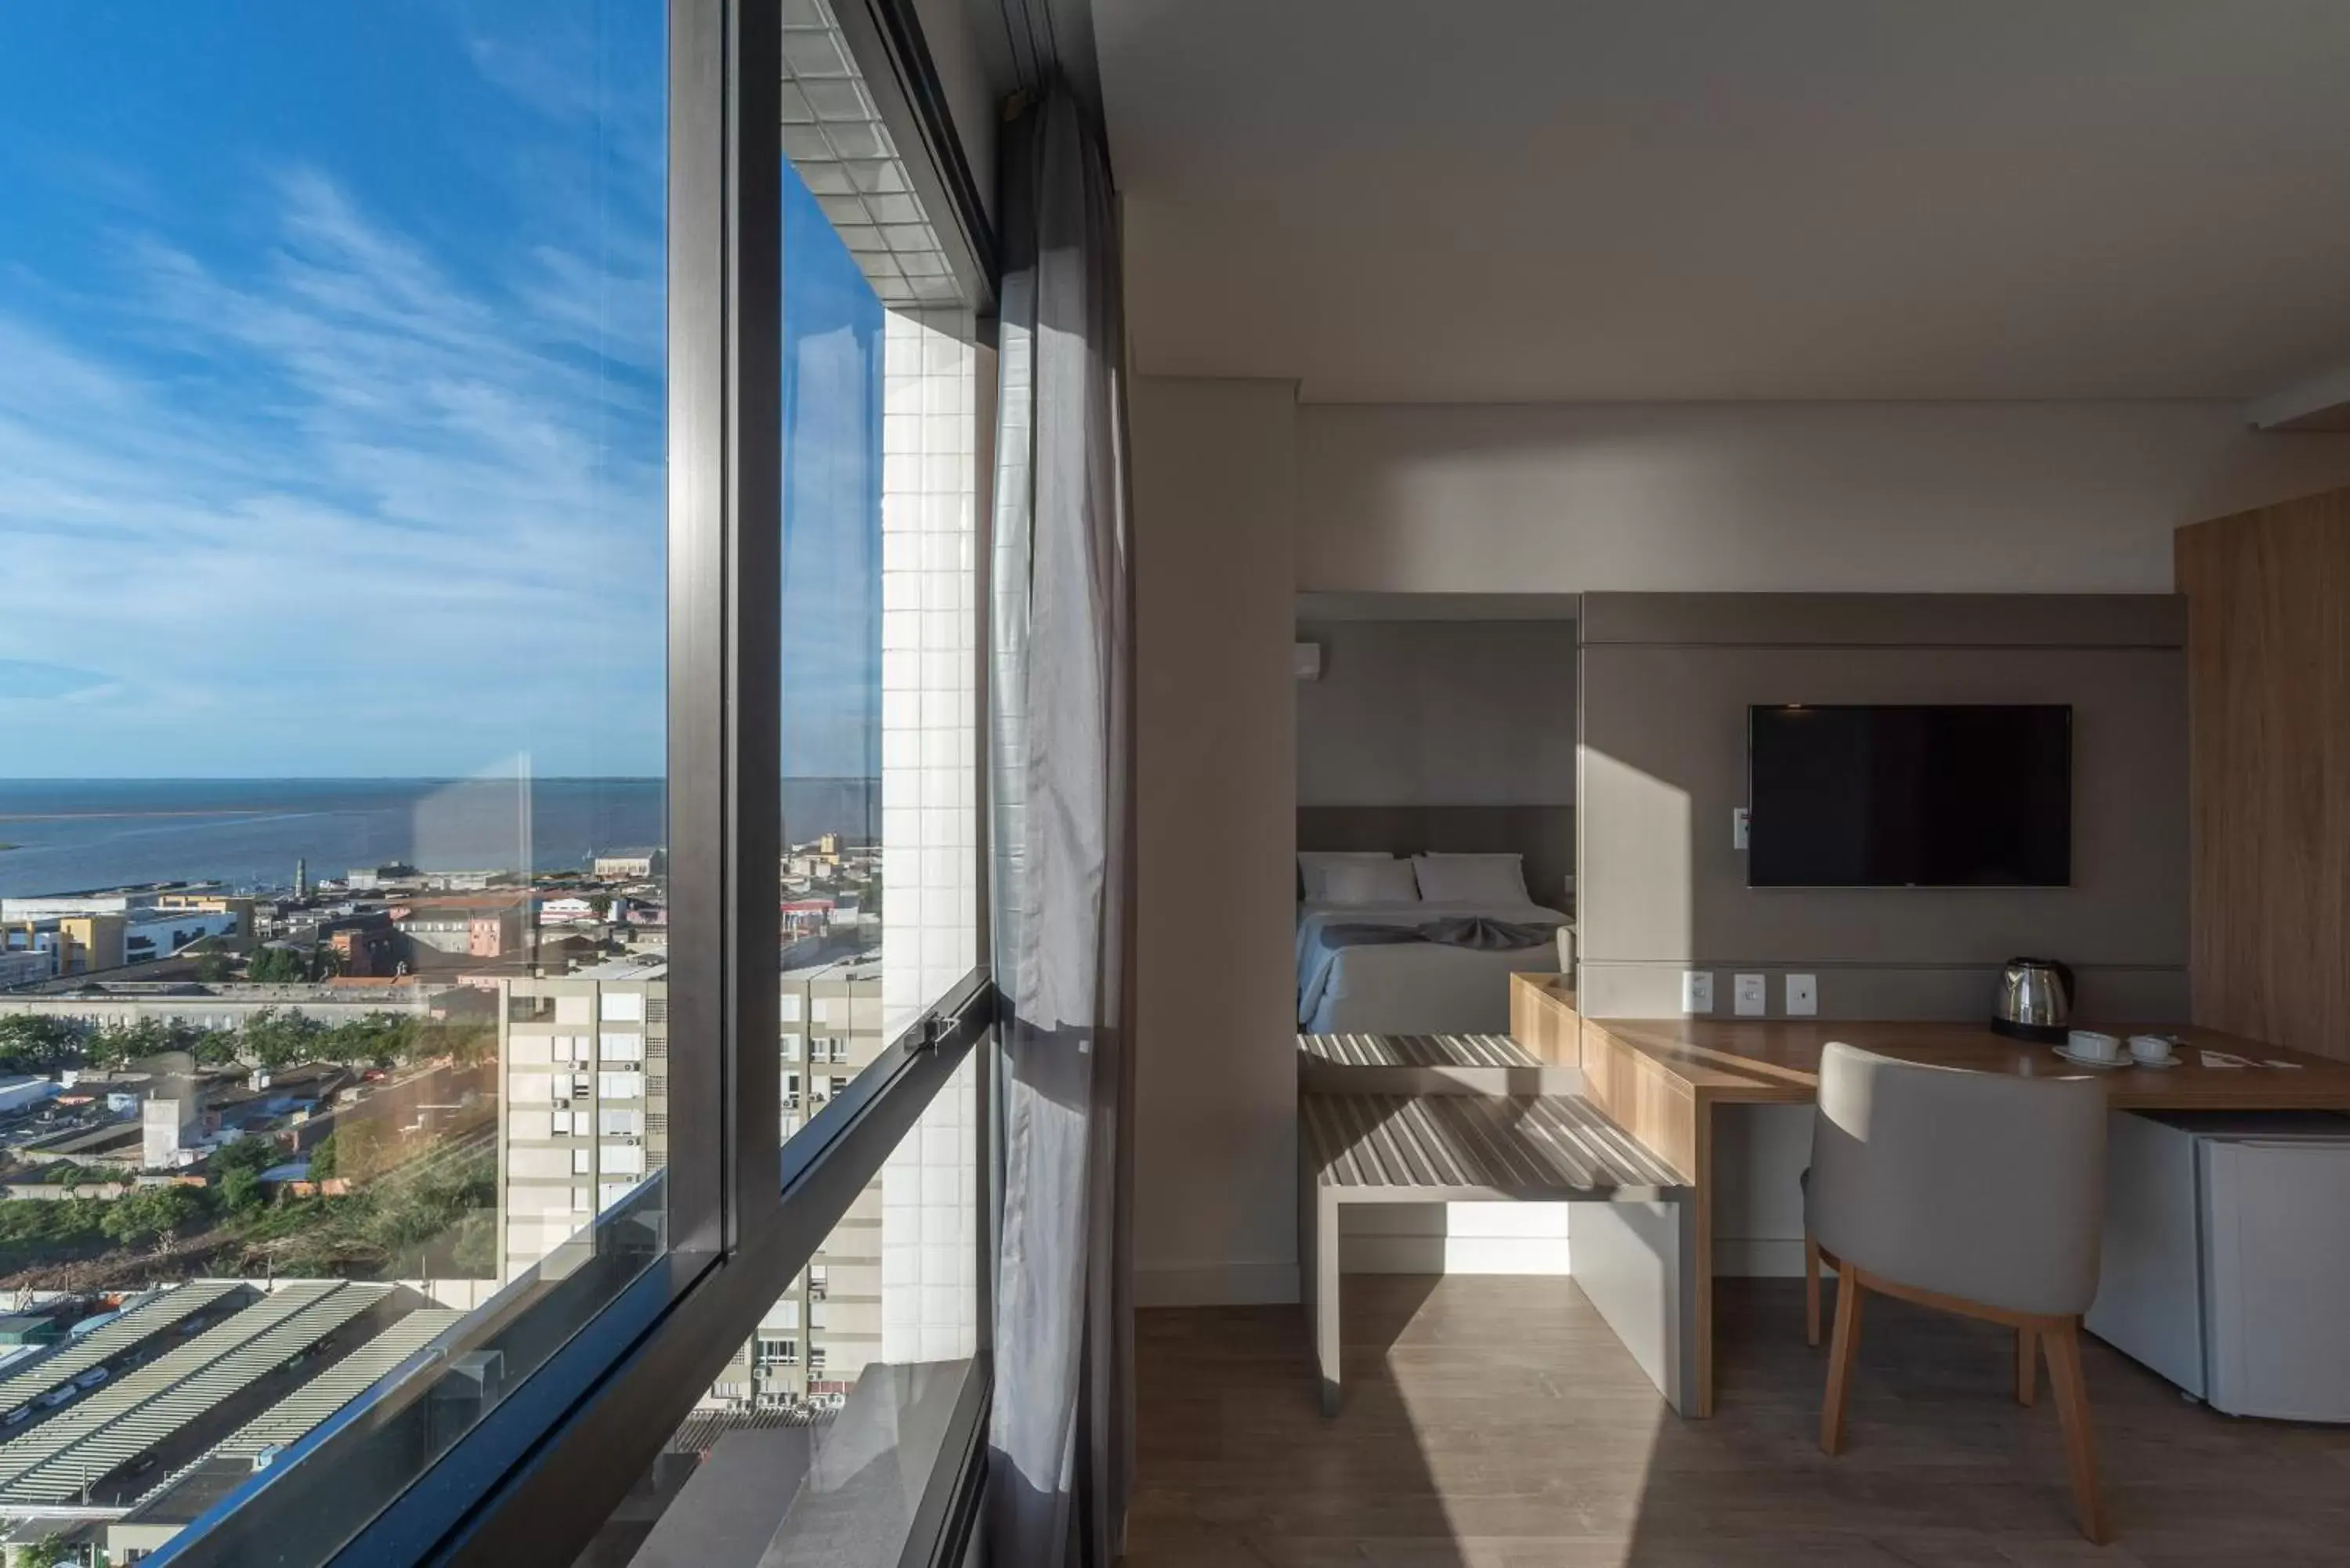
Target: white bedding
[1411,988]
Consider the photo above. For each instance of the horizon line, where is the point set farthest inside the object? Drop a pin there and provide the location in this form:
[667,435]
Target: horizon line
[388,778]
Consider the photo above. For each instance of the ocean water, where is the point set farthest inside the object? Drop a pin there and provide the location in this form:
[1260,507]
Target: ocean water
[70,834]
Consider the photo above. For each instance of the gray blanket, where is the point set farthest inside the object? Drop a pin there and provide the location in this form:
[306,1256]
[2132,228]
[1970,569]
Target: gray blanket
[1468,931]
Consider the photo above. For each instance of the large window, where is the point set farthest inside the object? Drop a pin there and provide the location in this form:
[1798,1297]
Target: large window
[398,987]
[333,630]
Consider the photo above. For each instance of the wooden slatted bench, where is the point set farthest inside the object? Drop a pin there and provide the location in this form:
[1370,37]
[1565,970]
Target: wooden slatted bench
[1426,1064]
[1416,1050]
[1452,1147]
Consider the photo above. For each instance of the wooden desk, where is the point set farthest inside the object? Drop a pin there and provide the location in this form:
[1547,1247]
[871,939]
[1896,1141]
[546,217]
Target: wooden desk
[1660,1078]
[1543,1018]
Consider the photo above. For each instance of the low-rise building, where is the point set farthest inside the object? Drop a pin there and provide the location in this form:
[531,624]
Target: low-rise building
[159,932]
[75,944]
[18,1093]
[170,1123]
[224,1004]
[25,966]
[461,925]
[629,865]
[366,949]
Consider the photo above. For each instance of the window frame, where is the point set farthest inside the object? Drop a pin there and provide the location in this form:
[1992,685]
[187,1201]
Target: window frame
[663,1290]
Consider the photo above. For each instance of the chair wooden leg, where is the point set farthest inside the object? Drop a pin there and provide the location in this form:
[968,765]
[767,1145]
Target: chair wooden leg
[2027,1366]
[1810,1290]
[1843,1351]
[2064,1347]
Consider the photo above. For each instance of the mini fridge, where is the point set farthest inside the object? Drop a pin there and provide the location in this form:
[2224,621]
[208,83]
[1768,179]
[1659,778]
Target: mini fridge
[2226,1258]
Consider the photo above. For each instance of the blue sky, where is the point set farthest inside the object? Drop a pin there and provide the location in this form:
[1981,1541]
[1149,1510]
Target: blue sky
[331,344]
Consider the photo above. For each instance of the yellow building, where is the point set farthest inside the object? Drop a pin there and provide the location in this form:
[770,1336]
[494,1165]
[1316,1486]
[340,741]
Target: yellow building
[84,943]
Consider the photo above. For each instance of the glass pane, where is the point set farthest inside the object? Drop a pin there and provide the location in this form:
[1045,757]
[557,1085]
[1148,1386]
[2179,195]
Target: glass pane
[879,573]
[332,720]
[880,712]
[818,1444]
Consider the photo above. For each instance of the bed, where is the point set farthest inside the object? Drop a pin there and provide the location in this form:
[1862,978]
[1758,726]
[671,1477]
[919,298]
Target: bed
[1412,988]
[1427,988]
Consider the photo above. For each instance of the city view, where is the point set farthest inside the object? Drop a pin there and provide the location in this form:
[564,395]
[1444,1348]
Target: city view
[334,900]
[287,1135]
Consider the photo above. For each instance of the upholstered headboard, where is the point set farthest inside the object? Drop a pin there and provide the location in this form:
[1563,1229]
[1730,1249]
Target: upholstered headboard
[1545,835]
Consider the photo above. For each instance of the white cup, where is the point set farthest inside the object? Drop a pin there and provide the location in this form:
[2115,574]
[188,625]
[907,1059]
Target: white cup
[2091,1046]
[2150,1048]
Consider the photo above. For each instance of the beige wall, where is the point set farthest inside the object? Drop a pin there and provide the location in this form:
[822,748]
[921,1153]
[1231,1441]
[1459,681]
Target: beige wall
[1437,714]
[1778,497]
[1667,680]
[1214,488]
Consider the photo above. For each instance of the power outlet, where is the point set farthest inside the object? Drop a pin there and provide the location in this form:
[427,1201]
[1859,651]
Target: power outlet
[1802,995]
[1697,990]
[1754,995]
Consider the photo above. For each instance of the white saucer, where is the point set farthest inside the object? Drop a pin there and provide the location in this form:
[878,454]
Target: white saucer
[2165,1064]
[2124,1060]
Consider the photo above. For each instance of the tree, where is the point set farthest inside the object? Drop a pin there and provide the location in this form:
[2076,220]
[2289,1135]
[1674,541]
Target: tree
[248,1154]
[241,1191]
[49,1551]
[278,966]
[118,1045]
[381,1038]
[212,963]
[322,1159]
[32,1043]
[599,905]
[276,1039]
[151,1214]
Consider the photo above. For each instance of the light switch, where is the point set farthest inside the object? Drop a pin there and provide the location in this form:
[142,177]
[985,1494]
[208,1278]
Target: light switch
[1738,821]
[1753,996]
[1802,995]
[1697,990]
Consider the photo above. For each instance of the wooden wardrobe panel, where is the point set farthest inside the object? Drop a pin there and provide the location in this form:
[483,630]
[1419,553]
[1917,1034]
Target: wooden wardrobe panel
[2269,702]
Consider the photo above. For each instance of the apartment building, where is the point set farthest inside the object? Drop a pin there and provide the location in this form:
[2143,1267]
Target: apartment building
[822,1332]
[584,1120]
[581,1061]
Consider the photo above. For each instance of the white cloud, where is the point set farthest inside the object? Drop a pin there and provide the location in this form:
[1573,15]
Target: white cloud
[328,503]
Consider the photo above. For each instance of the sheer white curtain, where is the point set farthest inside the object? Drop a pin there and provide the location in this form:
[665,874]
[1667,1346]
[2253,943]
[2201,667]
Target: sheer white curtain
[1062,1438]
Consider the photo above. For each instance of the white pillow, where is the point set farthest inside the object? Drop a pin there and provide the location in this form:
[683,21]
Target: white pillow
[1370,882]
[1472,878]
[1313,867]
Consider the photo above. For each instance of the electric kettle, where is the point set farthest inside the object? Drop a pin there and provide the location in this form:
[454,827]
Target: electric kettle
[2035,999]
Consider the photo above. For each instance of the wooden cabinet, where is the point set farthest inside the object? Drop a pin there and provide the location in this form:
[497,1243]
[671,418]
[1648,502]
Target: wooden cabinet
[2268,596]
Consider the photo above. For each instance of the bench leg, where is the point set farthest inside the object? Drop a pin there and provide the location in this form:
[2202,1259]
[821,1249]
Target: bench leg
[1324,1263]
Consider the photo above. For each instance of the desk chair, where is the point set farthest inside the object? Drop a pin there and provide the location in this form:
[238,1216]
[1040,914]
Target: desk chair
[1977,1193]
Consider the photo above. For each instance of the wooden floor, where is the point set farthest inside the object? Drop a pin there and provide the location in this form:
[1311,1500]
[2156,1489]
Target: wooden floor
[1494,1422]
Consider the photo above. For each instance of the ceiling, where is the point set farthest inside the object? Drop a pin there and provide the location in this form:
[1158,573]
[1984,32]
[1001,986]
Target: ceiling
[1537,200]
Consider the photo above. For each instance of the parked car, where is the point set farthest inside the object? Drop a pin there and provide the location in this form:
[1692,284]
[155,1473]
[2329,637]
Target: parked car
[56,1396]
[92,1378]
[17,1415]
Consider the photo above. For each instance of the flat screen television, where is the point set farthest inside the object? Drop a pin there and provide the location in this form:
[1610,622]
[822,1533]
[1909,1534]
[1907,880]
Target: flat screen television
[1910,796]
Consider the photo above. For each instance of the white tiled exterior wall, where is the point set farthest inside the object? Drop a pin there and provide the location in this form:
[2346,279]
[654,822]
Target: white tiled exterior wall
[930,814]
[930,650]
[929,1232]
